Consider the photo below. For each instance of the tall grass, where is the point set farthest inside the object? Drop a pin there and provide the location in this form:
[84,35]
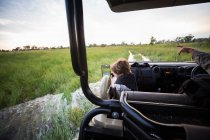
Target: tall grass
[103,55]
[61,129]
[168,52]
[27,75]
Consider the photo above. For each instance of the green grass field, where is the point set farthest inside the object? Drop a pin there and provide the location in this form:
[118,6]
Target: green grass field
[30,74]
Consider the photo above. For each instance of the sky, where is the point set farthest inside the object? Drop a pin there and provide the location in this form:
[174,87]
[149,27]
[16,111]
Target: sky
[44,23]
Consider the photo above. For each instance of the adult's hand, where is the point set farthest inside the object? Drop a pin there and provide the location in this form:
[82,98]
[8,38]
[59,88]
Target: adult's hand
[184,49]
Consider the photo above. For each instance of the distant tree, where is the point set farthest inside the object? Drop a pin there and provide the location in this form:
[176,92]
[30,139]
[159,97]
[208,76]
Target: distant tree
[27,47]
[132,44]
[61,47]
[94,45]
[161,42]
[18,49]
[152,40]
[200,40]
[123,43]
[33,47]
[188,38]
[103,45]
[113,44]
[169,41]
[180,40]
[4,50]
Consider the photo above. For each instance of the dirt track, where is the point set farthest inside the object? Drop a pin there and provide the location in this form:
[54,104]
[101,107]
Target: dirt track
[132,57]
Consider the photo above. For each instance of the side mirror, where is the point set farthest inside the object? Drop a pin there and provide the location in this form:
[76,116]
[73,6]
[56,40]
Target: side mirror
[105,69]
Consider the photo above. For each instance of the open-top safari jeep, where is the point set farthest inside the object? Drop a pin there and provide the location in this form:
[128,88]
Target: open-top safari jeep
[153,112]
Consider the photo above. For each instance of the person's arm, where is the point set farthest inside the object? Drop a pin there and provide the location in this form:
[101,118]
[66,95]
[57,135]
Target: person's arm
[201,58]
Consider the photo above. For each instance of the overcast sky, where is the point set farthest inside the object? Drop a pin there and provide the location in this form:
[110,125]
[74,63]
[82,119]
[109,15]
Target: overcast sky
[43,23]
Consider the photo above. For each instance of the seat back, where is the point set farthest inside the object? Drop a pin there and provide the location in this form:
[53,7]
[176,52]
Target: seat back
[169,98]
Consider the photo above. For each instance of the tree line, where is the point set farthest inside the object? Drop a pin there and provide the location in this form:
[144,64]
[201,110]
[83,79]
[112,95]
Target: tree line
[33,47]
[184,39]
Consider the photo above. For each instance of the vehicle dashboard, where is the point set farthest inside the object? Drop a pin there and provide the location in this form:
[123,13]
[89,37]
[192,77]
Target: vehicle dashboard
[165,77]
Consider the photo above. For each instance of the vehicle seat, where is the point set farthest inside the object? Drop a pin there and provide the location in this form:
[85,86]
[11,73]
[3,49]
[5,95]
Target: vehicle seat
[156,97]
[102,120]
[169,108]
[105,84]
[166,112]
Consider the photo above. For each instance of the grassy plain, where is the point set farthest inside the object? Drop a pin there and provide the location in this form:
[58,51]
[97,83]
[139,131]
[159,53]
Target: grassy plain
[30,74]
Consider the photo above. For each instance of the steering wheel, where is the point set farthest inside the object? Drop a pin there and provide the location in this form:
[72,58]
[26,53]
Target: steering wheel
[198,71]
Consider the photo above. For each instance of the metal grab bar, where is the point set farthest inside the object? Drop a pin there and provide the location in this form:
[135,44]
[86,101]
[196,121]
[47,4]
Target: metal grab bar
[151,127]
[94,99]
[74,13]
[88,118]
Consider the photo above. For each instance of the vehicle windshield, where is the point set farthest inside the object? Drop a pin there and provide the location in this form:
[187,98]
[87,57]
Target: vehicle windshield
[146,35]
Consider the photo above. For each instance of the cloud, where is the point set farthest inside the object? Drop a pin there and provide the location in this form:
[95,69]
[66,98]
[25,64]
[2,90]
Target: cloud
[104,26]
[33,22]
[14,26]
[41,22]
[4,22]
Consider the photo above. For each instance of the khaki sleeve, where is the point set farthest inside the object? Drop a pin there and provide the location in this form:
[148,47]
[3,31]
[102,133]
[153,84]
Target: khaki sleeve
[202,59]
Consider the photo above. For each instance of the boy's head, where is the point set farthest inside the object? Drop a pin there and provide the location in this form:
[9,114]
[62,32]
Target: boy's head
[121,66]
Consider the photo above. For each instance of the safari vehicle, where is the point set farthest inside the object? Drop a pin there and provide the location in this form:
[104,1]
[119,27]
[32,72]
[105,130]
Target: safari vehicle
[143,114]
